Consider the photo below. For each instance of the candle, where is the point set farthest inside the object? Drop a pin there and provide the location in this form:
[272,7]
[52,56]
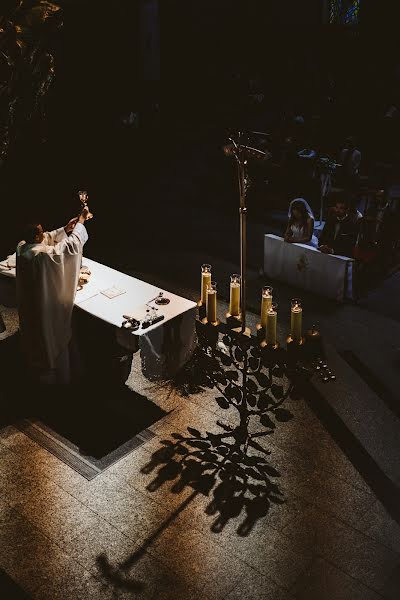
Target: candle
[296,320]
[266,302]
[212,302]
[272,317]
[205,281]
[234,303]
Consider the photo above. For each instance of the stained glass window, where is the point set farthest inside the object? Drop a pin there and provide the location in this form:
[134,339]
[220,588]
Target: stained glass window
[344,12]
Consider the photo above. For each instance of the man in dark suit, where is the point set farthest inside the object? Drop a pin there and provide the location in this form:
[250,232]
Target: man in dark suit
[339,235]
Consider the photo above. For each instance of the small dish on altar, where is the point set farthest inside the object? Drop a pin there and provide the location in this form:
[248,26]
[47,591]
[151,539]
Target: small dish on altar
[161,300]
[130,323]
[83,278]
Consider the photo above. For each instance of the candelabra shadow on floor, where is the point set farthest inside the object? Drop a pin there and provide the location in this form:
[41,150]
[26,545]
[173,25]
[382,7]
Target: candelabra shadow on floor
[229,466]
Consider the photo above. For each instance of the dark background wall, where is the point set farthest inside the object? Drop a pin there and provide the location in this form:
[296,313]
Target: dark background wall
[203,46]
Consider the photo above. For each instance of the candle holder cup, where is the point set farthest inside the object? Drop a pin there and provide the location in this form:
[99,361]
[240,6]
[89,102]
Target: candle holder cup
[313,341]
[291,342]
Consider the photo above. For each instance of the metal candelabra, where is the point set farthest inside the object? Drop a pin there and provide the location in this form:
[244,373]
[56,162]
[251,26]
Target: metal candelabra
[239,151]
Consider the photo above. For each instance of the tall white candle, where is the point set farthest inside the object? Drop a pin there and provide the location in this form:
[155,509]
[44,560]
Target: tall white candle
[212,302]
[205,281]
[234,302]
[272,318]
[296,320]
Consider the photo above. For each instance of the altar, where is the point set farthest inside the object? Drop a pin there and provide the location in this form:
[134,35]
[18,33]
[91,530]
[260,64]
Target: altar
[307,268]
[165,346]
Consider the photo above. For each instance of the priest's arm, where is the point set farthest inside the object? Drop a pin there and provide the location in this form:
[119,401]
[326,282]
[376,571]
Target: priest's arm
[69,239]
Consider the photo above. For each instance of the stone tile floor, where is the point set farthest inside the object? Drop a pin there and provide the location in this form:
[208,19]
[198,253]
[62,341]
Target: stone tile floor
[131,533]
[123,536]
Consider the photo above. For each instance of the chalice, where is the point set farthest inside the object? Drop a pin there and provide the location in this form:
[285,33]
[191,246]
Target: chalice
[83,197]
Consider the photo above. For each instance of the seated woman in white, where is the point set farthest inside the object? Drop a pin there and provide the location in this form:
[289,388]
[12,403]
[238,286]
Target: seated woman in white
[300,227]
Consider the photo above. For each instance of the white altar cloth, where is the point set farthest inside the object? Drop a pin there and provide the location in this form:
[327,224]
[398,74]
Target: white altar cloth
[305,267]
[165,346]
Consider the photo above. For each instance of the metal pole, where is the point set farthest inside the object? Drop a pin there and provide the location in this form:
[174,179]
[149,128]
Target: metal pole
[243,236]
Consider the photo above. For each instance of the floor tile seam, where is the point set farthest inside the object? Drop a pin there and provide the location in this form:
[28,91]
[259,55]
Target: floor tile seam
[3,446]
[314,505]
[61,502]
[310,562]
[31,592]
[358,488]
[158,557]
[281,589]
[381,543]
[358,581]
[36,527]
[261,571]
[67,489]
[20,454]
[112,524]
[334,516]
[48,476]
[181,410]
[41,528]
[17,449]
[153,552]
[88,573]
[50,539]
[326,558]
[79,559]
[8,507]
[363,521]
[215,540]
[76,558]
[63,546]
[331,471]
[159,501]
[296,450]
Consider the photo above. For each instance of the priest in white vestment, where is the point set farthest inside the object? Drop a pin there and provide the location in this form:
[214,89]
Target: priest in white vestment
[48,266]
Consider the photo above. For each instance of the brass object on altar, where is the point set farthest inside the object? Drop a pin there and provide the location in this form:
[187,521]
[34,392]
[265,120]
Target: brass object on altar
[84,277]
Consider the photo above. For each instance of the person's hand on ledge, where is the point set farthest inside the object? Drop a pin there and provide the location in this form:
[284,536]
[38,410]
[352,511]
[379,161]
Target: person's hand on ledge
[325,249]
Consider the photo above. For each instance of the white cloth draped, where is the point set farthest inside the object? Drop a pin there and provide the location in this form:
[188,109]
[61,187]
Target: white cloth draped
[305,267]
[47,277]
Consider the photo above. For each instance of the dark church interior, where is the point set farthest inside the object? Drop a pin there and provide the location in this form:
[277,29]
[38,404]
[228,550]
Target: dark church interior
[200,300]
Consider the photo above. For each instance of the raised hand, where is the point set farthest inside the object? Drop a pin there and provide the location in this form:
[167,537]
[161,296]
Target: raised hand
[70,225]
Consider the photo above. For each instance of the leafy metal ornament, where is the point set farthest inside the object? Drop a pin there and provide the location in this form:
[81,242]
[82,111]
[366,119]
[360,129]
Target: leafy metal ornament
[26,64]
